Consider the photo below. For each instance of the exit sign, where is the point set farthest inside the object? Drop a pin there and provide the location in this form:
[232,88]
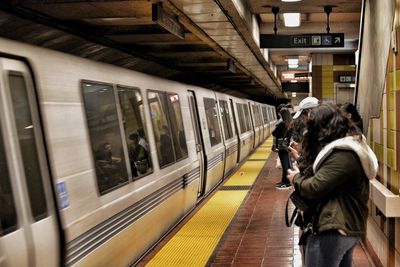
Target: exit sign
[315,40]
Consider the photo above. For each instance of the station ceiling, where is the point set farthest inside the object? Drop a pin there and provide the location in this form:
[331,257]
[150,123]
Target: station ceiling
[217,49]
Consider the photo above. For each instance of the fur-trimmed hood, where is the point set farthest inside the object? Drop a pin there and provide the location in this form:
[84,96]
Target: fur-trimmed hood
[367,157]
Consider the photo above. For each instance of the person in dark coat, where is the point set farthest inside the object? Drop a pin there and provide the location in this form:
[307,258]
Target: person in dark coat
[338,164]
[282,134]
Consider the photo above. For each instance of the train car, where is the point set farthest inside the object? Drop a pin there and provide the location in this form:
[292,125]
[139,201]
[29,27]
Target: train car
[245,128]
[229,131]
[257,125]
[99,162]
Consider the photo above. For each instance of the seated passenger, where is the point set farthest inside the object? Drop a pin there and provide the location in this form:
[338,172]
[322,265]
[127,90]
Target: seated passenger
[108,166]
[166,151]
[138,156]
[142,139]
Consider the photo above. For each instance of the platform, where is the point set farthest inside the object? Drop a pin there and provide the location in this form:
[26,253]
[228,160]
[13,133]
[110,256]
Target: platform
[239,224]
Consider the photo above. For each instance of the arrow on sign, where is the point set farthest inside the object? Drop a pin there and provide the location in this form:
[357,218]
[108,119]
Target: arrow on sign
[337,40]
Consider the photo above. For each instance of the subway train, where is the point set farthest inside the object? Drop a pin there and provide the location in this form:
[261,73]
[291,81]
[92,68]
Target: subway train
[98,162]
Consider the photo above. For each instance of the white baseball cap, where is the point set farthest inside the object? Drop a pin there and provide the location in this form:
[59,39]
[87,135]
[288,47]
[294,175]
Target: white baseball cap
[308,102]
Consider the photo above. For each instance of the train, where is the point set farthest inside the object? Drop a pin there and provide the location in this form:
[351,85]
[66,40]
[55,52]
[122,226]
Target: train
[98,162]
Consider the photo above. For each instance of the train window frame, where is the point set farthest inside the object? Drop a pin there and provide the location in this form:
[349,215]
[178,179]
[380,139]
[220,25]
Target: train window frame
[34,188]
[125,134]
[240,114]
[225,117]
[215,108]
[15,224]
[168,120]
[247,117]
[93,150]
[265,115]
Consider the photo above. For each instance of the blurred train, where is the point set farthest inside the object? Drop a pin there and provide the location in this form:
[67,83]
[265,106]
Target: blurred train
[98,162]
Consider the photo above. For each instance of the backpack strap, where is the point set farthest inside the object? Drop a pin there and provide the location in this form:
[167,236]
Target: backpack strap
[295,213]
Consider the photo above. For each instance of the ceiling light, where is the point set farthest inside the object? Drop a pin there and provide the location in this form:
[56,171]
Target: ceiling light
[291,19]
[288,75]
[293,66]
[293,61]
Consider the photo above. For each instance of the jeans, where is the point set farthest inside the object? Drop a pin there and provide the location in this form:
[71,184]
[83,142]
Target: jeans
[285,162]
[330,249]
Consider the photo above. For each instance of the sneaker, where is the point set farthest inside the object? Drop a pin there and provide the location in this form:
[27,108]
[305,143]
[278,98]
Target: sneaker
[284,186]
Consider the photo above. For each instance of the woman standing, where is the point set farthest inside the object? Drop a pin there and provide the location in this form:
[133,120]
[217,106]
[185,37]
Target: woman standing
[282,133]
[337,166]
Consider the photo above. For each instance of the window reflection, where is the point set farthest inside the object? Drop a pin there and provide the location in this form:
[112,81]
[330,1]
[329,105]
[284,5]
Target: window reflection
[212,121]
[134,126]
[105,135]
[168,128]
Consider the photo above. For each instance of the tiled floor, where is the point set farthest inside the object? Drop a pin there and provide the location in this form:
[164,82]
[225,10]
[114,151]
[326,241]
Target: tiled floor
[258,235]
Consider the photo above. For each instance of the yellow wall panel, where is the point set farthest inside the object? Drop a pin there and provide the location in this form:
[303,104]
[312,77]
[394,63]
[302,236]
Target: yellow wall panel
[378,150]
[391,120]
[326,68]
[391,98]
[391,139]
[389,81]
[390,158]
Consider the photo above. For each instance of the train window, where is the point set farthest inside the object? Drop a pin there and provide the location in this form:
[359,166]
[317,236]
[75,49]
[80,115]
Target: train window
[259,116]
[178,133]
[212,121]
[255,114]
[131,105]
[27,143]
[105,136]
[265,116]
[226,119]
[8,215]
[168,129]
[241,117]
[247,119]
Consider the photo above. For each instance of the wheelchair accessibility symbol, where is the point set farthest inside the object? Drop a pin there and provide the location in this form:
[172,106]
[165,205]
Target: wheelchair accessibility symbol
[326,40]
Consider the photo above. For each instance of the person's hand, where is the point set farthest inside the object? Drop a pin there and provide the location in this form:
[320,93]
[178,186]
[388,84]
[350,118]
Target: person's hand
[292,173]
[296,146]
[293,153]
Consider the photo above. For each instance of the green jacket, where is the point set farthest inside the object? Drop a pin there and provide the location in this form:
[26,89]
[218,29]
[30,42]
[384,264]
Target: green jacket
[341,184]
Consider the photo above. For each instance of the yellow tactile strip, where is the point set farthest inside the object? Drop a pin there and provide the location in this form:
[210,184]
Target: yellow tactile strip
[196,240]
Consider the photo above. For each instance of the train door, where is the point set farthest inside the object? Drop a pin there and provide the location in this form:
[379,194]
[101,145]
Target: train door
[29,227]
[199,141]
[235,122]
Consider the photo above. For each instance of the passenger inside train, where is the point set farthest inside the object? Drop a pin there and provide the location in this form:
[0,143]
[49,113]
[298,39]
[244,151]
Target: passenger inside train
[108,166]
[138,155]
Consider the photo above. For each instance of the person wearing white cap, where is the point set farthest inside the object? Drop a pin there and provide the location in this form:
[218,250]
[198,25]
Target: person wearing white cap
[306,103]
[304,106]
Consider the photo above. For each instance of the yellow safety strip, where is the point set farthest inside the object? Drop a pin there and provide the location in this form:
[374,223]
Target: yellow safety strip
[196,240]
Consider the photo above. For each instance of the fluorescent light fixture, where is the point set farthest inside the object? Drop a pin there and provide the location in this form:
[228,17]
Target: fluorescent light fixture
[293,61]
[293,66]
[291,0]
[293,94]
[293,81]
[291,19]
[288,75]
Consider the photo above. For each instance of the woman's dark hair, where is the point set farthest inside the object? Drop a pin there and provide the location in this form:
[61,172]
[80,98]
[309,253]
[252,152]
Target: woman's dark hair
[355,116]
[287,119]
[325,124]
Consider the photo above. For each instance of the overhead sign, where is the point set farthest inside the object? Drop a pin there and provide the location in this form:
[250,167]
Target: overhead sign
[347,79]
[167,21]
[295,76]
[315,40]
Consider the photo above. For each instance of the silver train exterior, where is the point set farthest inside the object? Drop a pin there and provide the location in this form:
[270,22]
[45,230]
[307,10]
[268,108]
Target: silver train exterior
[74,190]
